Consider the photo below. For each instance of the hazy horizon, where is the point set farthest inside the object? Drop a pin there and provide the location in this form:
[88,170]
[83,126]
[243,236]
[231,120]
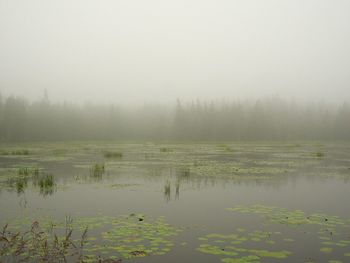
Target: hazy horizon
[175,131]
[131,52]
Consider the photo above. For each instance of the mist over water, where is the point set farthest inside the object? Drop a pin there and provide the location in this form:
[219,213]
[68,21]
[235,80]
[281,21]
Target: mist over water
[265,119]
[131,52]
[211,131]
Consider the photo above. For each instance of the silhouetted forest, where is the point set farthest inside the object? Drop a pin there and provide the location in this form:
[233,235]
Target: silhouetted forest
[265,119]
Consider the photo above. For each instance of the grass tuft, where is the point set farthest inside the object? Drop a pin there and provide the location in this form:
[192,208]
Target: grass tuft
[97,170]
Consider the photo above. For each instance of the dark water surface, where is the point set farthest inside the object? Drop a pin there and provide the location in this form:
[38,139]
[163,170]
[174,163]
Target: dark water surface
[191,187]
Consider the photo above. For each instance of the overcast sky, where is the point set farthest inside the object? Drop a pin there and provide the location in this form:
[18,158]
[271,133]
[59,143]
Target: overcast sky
[128,51]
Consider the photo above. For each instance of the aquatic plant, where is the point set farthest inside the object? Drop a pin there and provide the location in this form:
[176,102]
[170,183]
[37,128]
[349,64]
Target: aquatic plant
[165,149]
[225,147]
[320,154]
[36,171]
[45,183]
[177,189]
[20,152]
[290,217]
[23,171]
[97,170]
[20,183]
[38,245]
[331,230]
[121,237]
[113,154]
[240,247]
[15,152]
[167,190]
[28,171]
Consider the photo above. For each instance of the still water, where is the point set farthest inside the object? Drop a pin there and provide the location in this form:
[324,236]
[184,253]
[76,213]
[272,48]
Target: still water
[217,202]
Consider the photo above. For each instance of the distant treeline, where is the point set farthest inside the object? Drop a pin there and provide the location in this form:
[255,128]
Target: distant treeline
[265,119]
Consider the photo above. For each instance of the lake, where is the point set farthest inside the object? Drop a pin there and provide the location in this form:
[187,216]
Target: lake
[233,202]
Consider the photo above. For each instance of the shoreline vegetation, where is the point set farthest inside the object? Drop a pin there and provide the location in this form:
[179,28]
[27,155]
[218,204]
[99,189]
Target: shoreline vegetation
[271,119]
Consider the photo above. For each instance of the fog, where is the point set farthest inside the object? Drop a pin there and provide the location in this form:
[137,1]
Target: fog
[174,131]
[131,52]
[267,119]
[174,70]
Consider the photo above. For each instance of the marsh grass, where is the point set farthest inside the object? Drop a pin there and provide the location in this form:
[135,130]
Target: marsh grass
[97,170]
[19,183]
[45,183]
[39,245]
[26,171]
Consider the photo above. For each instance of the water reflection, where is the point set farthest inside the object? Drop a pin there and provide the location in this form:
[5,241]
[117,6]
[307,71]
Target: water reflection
[269,168]
[97,171]
[177,190]
[181,175]
[18,183]
[45,183]
[167,190]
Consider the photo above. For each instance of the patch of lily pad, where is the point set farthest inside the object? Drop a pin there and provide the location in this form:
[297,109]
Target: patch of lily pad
[332,231]
[242,246]
[291,217]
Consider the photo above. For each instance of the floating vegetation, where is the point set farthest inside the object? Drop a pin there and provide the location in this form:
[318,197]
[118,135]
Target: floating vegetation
[114,155]
[119,186]
[330,230]
[15,152]
[241,247]
[233,170]
[320,154]
[190,167]
[121,237]
[97,170]
[326,249]
[165,149]
[290,217]
[225,147]
[136,236]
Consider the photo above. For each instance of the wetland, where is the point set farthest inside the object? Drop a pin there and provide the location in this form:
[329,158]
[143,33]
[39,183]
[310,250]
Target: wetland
[234,202]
